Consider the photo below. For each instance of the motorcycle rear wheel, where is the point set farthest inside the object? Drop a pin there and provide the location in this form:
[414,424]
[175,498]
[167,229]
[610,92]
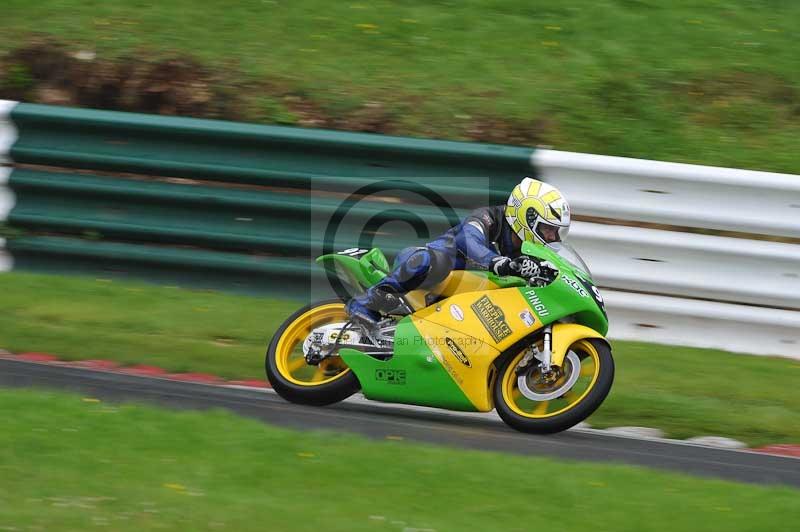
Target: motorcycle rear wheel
[595,377]
[289,374]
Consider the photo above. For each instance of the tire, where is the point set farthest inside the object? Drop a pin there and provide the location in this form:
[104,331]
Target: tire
[286,371]
[513,410]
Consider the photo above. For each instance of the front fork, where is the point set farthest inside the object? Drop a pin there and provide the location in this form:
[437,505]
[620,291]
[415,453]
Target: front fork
[545,356]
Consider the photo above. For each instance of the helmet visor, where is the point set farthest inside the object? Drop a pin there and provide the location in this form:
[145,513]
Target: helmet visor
[544,230]
[548,233]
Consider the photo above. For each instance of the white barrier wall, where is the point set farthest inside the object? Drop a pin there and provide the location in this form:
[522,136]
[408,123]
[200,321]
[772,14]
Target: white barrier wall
[685,288]
[8,135]
[8,132]
[677,194]
[669,320]
[684,264]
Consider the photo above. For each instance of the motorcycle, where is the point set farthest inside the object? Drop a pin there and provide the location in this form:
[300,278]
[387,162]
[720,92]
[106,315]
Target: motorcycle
[532,349]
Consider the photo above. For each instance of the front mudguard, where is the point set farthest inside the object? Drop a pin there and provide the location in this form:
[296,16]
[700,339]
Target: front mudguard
[566,334]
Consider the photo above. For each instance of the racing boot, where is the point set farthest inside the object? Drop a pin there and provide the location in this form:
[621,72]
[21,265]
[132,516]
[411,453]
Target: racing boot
[367,307]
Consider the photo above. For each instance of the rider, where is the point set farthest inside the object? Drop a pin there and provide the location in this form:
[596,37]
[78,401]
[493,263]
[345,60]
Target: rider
[487,239]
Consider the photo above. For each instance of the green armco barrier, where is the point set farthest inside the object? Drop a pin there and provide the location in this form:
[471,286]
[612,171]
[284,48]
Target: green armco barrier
[227,205]
[215,217]
[255,154]
[230,272]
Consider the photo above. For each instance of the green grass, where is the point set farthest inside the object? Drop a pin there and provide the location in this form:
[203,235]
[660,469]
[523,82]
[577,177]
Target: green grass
[712,82]
[71,464]
[686,392]
[177,329]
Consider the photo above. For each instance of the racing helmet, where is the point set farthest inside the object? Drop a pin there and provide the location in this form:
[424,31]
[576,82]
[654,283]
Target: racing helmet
[538,212]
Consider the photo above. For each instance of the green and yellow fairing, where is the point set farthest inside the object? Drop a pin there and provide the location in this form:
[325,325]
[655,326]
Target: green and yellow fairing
[444,354]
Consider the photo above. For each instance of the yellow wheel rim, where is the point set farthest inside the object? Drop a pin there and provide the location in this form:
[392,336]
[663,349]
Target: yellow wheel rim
[589,371]
[289,356]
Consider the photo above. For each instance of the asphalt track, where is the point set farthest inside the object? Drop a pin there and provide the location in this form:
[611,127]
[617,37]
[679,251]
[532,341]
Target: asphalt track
[380,421]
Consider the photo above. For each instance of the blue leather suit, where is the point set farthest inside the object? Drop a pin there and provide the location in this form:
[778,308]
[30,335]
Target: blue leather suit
[472,244]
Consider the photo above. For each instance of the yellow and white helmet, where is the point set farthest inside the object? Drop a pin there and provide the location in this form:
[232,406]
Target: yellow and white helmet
[538,212]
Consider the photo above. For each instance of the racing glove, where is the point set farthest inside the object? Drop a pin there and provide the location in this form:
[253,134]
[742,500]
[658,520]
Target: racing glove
[502,266]
[547,271]
[538,273]
[525,267]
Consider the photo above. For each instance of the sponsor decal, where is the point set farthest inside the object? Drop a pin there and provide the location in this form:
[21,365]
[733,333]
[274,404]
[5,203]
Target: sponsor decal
[353,252]
[391,376]
[492,318]
[575,285]
[527,318]
[434,341]
[536,303]
[595,293]
[457,352]
[447,366]
[457,313]
[348,338]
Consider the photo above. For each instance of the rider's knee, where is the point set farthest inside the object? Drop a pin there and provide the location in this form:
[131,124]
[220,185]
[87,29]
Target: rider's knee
[422,267]
[412,271]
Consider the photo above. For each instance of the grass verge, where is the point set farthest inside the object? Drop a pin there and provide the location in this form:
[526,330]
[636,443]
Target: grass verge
[684,391]
[713,82]
[72,463]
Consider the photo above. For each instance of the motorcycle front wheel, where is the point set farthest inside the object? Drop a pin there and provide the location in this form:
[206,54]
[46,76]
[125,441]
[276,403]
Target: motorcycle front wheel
[544,404]
[287,371]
